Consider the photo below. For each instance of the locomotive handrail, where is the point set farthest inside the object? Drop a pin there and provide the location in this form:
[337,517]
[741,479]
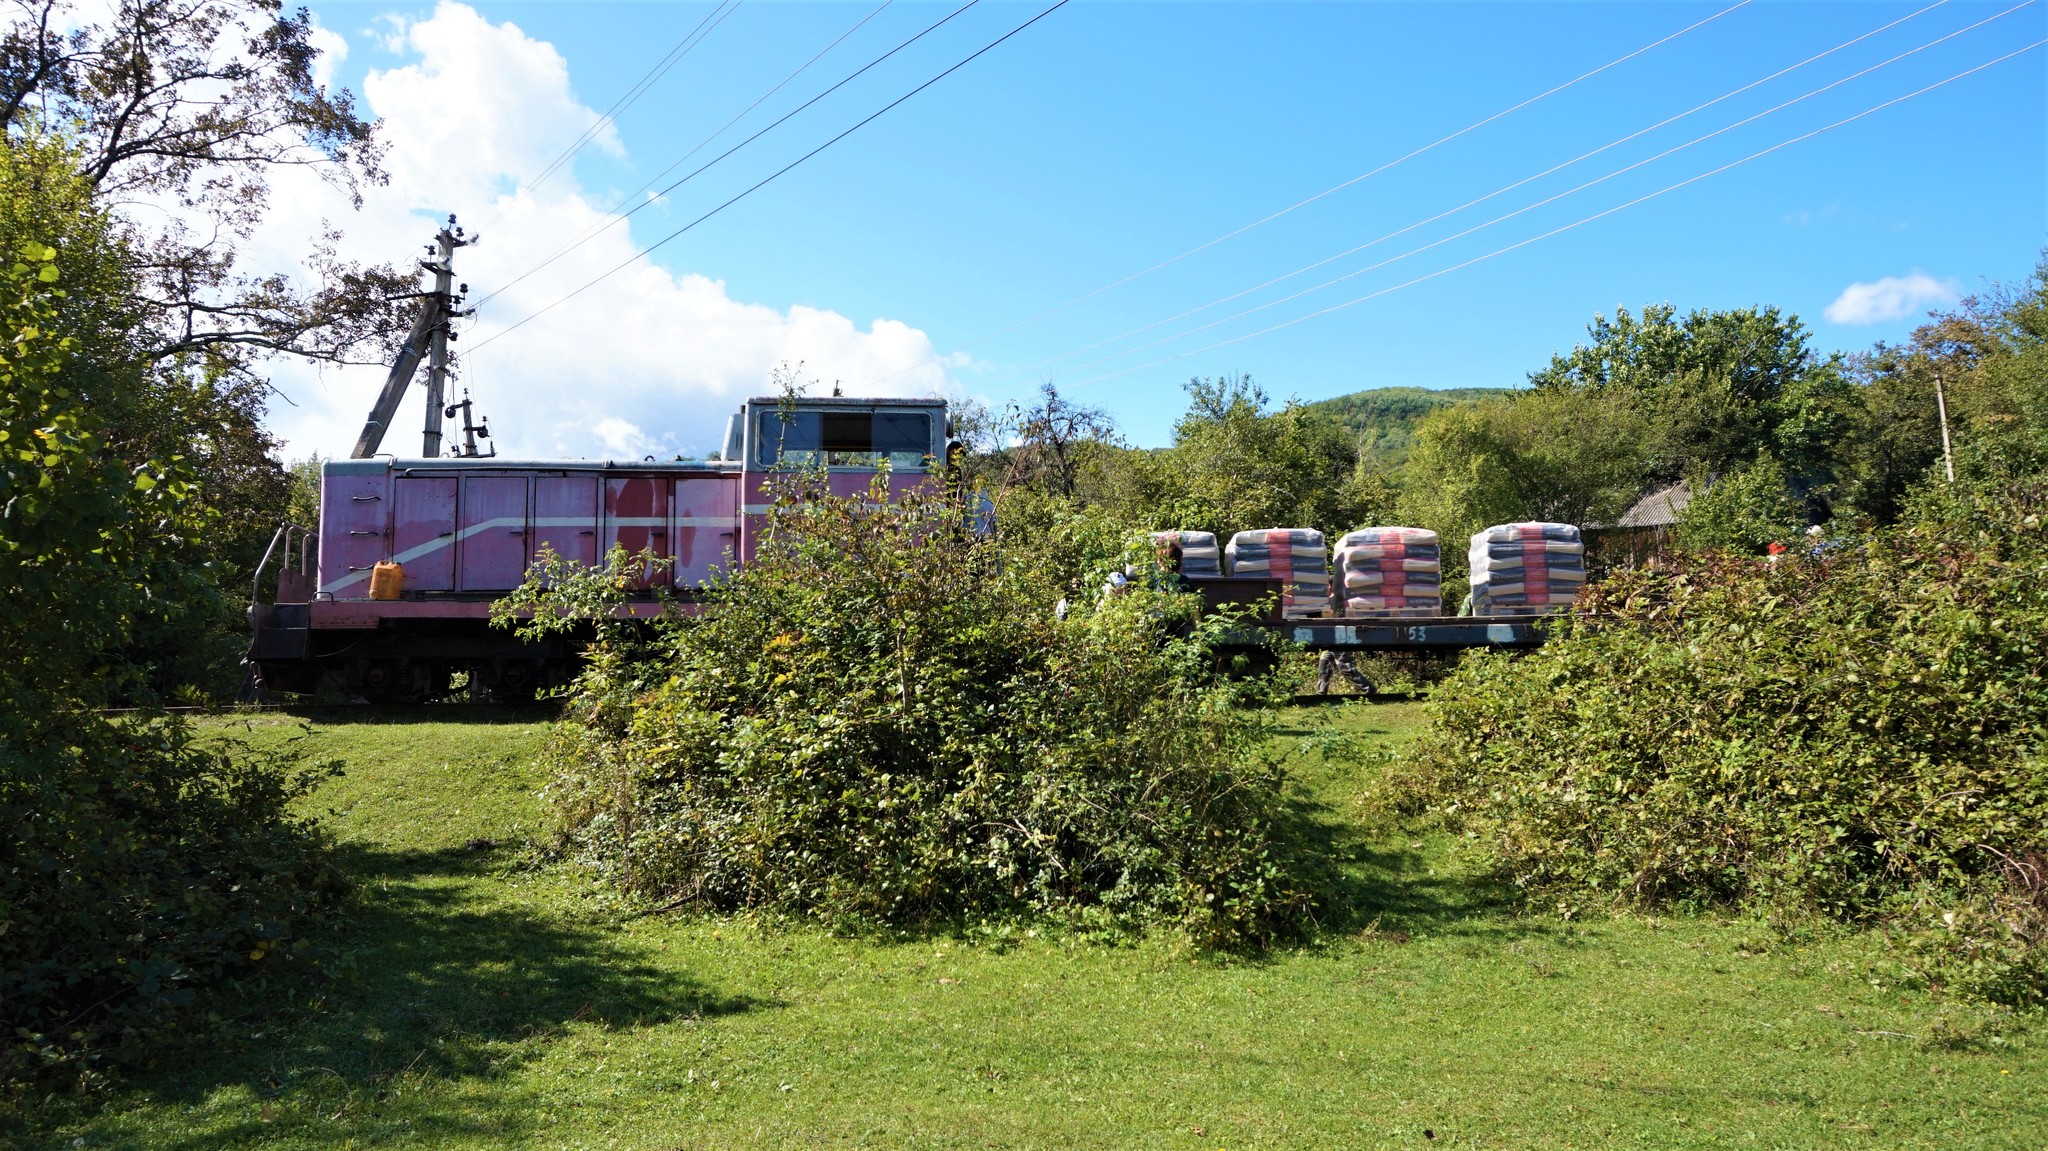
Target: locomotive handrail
[283,533]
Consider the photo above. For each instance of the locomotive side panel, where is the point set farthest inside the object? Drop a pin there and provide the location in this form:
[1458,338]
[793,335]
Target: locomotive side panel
[636,510]
[491,555]
[706,526]
[423,528]
[565,517]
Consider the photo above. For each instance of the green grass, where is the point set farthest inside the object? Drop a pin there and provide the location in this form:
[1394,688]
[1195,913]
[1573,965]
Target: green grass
[491,1002]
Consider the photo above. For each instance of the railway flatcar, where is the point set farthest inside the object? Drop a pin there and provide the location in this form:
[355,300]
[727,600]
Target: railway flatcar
[463,532]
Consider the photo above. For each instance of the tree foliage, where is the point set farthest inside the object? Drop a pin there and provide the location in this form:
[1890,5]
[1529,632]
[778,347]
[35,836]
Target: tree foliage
[1990,359]
[142,141]
[151,409]
[1237,465]
[1748,511]
[192,105]
[1716,388]
[1561,455]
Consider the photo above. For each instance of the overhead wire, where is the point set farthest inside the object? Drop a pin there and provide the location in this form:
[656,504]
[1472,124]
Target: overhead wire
[1501,251]
[655,72]
[1506,216]
[1553,169]
[617,216]
[777,174]
[1333,189]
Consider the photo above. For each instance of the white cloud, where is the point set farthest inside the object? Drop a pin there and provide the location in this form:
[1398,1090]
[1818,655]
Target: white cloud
[1891,298]
[648,361]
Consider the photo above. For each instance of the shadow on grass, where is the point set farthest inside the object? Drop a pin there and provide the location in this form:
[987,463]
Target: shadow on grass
[434,981]
[393,715]
[1363,878]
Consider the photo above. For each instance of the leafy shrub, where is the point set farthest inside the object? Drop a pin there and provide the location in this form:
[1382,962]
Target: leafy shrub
[1992,943]
[881,720]
[1863,734]
[141,867]
[1747,511]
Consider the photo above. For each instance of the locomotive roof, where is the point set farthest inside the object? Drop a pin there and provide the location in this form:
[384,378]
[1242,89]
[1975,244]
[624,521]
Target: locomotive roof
[852,401]
[501,463]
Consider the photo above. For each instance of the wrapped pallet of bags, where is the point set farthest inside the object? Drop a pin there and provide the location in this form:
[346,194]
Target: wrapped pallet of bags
[1297,556]
[1526,569]
[1200,558]
[1392,573]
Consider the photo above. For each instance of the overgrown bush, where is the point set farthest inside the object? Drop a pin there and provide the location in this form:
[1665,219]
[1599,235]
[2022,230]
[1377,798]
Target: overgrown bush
[136,865]
[1863,734]
[881,720]
[141,867]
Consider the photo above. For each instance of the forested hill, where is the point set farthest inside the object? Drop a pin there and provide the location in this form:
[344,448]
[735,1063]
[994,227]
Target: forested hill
[1384,419]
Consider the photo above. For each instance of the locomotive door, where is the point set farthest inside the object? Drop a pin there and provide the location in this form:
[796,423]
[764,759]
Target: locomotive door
[707,526]
[565,517]
[636,516]
[423,531]
[492,553]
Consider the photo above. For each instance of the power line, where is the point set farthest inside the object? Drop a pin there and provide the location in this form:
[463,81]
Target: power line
[1320,195]
[614,216]
[1490,195]
[1517,212]
[644,252]
[1564,228]
[659,69]
[591,233]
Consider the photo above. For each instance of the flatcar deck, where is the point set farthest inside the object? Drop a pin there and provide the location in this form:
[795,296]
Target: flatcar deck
[1431,633]
[1434,633]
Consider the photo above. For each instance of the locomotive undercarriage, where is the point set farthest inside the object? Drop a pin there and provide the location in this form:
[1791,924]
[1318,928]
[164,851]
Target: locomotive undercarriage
[420,662]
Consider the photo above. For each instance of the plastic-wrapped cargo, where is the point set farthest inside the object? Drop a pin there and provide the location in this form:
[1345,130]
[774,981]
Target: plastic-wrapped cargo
[1526,569]
[1297,556]
[1391,573]
[1200,558]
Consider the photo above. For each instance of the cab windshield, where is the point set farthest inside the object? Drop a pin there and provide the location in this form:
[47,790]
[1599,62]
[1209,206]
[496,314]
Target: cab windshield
[844,439]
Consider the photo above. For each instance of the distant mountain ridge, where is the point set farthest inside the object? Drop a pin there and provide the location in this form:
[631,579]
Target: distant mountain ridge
[1384,419]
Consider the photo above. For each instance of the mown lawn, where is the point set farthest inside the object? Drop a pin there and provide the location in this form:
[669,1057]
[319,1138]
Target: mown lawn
[487,1001]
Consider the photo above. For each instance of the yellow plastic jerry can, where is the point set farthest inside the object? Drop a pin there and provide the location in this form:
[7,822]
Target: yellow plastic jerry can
[387,579]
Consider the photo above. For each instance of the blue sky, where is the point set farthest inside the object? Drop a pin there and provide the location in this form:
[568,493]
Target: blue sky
[1112,136]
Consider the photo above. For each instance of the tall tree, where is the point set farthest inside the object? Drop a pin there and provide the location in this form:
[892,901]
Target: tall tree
[1051,441]
[1566,455]
[157,127]
[1989,358]
[1716,388]
[137,863]
[1238,465]
[192,105]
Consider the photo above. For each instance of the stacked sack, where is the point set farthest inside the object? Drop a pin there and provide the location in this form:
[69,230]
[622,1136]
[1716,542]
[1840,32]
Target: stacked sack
[1391,572]
[1200,558]
[1297,556]
[1526,569]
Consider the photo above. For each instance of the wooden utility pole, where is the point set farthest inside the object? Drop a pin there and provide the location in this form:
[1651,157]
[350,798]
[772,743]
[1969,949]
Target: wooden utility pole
[429,340]
[1948,460]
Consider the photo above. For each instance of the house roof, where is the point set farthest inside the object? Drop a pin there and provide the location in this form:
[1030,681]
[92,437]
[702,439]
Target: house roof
[1659,508]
